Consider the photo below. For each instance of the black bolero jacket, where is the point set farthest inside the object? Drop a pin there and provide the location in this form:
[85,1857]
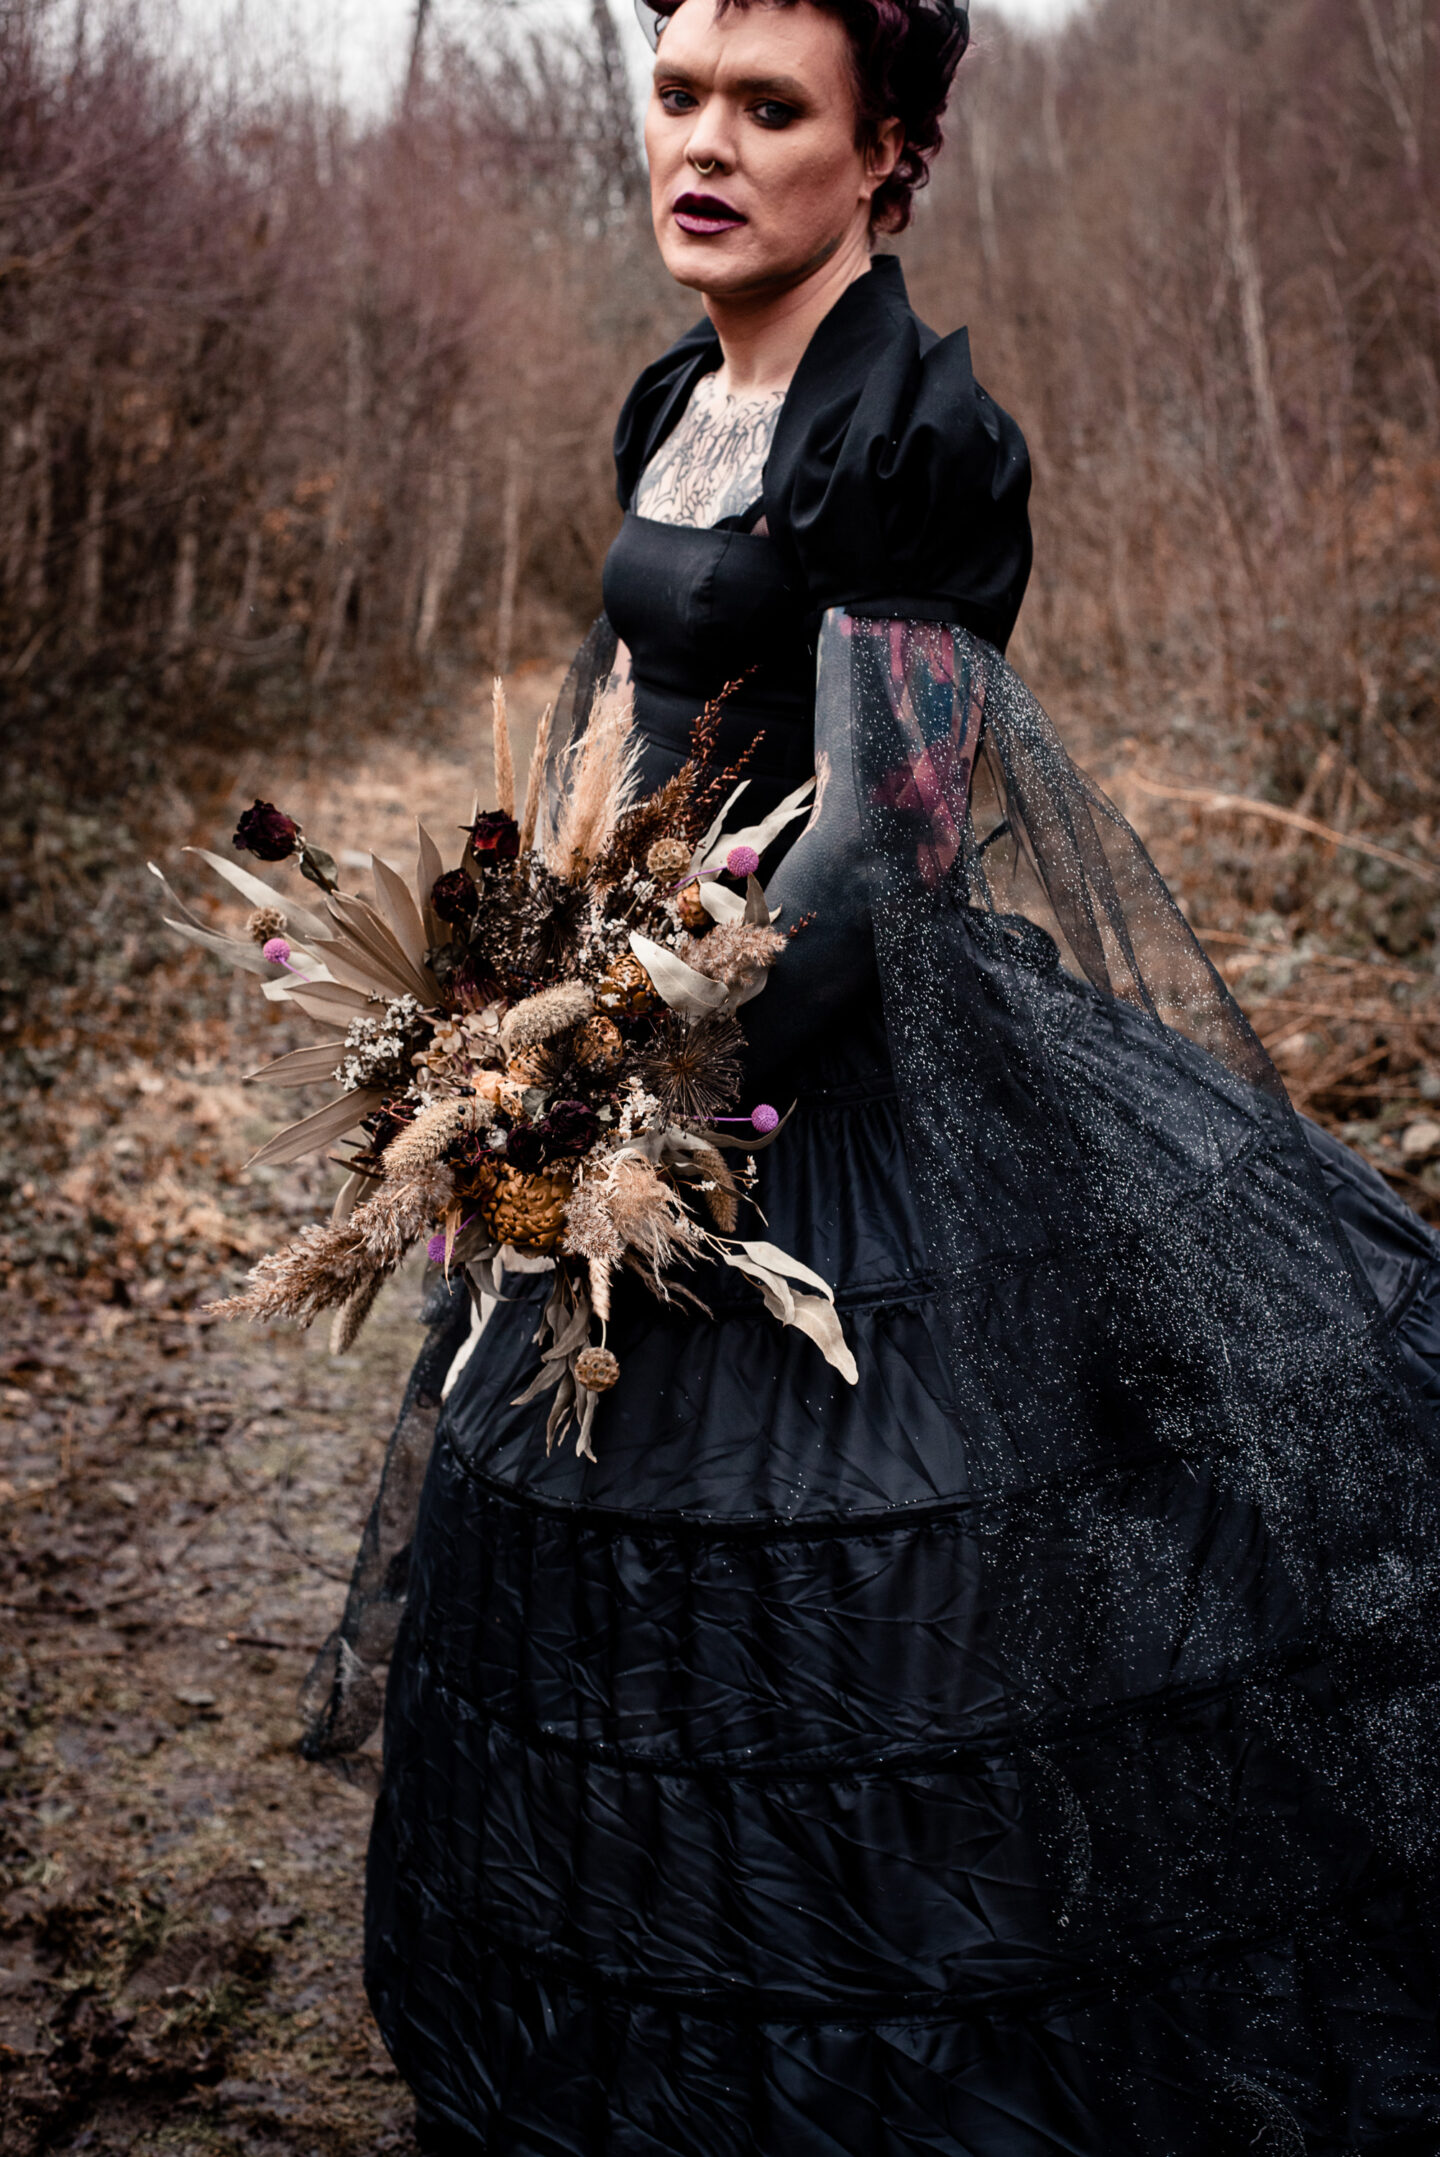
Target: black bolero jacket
[894,485]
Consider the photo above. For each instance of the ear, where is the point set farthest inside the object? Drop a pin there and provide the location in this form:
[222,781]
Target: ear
[883,154]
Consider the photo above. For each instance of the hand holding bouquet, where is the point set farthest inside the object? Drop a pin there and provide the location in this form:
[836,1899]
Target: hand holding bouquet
[541,1055]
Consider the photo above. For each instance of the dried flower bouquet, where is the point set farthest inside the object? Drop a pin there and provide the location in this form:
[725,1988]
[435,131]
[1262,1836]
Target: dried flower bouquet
[540,1062]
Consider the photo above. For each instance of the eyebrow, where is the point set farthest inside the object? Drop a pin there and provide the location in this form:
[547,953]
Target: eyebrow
[784,86]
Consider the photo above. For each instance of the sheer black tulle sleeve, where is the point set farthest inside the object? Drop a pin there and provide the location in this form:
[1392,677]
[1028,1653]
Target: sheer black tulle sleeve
[1164,1334]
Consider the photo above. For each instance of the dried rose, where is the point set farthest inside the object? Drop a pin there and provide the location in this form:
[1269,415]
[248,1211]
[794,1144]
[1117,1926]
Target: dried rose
[525,1147]
[494,836]
[267,832]
[454,898]
[570,1127]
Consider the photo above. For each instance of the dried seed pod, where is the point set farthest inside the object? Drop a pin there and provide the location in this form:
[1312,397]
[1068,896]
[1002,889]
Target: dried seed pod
[692,913]
[597,1369]
[265,922]
[667,860]
[627,989]
[527,1211]
[599,1046]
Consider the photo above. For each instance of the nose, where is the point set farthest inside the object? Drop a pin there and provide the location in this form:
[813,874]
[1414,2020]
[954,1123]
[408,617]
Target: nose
[710,148]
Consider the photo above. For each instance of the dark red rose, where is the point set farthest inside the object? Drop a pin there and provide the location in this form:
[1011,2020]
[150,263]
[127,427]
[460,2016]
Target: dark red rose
[267,832]
[494,836]
[454,898]
[525,1147]
[570,1127]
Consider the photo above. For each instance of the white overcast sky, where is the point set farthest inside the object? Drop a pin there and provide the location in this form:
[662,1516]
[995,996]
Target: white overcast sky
[360,46]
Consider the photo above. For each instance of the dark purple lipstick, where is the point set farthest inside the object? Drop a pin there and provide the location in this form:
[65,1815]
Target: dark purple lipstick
[704,214]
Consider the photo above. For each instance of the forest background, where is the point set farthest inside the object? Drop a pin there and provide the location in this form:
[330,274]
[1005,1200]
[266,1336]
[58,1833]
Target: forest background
[304,432]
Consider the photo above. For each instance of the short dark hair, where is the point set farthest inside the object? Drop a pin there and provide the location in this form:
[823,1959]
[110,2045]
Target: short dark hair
[904,54]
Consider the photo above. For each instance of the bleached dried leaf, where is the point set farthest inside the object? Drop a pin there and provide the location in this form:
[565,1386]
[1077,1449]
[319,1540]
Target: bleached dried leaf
[392,895]
[259,893]
[717,843]
[302,1067]
[429,865]
[685,991]
[321,1129]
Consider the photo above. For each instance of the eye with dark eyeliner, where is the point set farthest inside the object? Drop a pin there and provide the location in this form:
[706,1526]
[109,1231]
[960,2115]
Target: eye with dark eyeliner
[771,113]
[674,99]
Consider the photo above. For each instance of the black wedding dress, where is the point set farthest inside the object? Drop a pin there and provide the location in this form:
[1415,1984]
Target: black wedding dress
[1029,1748]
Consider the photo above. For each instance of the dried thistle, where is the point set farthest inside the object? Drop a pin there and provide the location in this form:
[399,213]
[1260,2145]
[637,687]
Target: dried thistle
[540,1018]
[693,1071]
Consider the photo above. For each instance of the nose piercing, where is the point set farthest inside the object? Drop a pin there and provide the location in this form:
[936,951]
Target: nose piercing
[704,169]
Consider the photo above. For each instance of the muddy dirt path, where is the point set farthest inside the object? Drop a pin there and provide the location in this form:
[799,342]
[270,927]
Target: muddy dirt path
[180,1896]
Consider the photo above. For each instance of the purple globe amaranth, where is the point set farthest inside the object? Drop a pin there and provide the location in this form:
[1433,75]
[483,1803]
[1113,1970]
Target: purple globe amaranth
[454,898]
[267,832]
[742,861]
[494,836]
[765,1118]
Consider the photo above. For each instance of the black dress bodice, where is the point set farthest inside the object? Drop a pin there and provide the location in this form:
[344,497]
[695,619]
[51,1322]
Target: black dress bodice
[698,609]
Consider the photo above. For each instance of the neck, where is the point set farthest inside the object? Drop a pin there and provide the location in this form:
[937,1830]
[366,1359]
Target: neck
[763,334]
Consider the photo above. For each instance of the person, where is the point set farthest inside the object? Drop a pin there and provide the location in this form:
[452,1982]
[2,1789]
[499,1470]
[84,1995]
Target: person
[1031,1747]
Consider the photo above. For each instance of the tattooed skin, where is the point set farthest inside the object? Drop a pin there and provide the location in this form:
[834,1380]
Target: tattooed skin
[710,466]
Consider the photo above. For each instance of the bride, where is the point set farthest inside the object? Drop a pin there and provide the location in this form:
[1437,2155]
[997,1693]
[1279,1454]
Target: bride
[1030,1747]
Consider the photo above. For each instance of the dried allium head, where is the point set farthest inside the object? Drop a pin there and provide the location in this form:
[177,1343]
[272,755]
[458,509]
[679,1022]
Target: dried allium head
[694,1071]
[265,922]
[597,1369]
[540,1018]
[599,1045]
[667,860]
